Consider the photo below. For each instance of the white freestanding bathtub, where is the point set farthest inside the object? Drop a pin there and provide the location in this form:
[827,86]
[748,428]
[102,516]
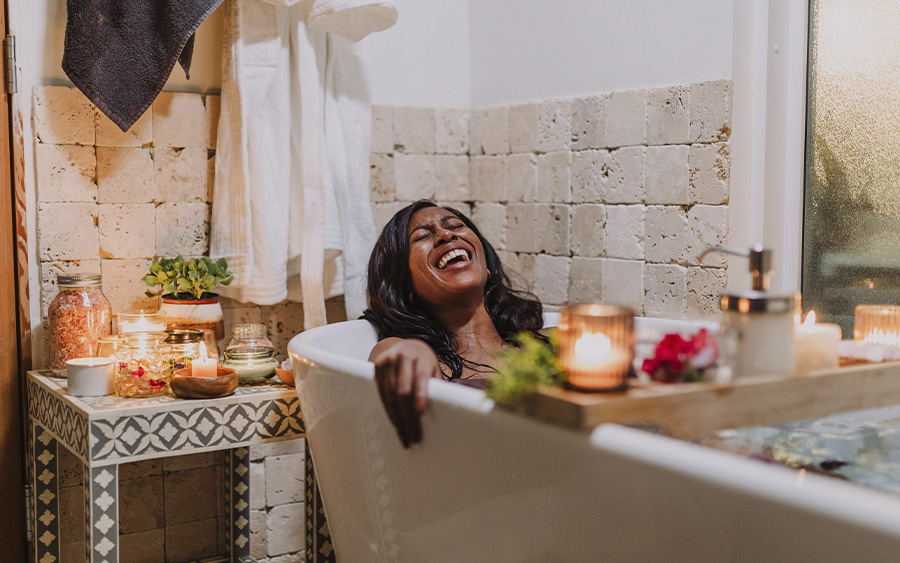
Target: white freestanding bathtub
[488,485]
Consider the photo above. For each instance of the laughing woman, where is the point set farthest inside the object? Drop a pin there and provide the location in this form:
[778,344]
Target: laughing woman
[441,303]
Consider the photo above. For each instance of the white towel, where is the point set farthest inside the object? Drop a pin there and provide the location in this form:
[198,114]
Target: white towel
[291,190]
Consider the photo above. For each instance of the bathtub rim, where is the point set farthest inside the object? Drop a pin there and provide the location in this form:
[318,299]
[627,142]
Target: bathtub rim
[852,503]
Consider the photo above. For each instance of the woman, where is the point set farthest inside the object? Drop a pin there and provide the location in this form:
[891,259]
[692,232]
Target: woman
[441,303]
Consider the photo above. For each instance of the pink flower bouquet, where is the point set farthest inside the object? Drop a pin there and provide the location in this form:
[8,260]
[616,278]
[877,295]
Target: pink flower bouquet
[681,360]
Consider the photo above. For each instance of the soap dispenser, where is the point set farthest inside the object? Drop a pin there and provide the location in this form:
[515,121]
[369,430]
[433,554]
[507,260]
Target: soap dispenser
[757,331]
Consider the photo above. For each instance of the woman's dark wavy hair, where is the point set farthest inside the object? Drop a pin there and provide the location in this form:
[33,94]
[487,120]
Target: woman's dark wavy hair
[394,313]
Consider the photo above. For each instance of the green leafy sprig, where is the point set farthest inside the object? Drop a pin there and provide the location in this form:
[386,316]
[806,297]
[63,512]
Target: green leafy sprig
[522,368]
[186,279]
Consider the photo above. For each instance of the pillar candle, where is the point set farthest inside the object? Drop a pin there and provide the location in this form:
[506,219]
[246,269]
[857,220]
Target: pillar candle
[817,344]
[204,366]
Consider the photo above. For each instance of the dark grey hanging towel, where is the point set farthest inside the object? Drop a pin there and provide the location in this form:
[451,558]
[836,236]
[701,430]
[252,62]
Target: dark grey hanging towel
[121,52]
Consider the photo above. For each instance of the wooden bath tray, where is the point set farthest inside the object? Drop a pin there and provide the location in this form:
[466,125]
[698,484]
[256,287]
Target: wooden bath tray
[694,410]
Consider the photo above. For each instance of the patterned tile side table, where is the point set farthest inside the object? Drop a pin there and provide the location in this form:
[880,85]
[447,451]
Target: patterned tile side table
[104,432]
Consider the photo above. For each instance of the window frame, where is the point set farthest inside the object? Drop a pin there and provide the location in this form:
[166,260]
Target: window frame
[769,58]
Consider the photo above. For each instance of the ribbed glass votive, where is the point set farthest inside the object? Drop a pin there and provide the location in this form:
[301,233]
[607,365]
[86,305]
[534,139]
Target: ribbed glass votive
[877,324]
[596,346]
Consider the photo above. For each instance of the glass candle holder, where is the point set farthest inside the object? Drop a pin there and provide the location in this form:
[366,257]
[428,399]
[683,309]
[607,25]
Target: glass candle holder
[877,324]
[253,366]
[596,346]
[184,347]
[141,320]
[251,354]
[142,365]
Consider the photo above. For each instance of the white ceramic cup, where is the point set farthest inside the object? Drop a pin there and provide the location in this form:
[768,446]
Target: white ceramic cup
[91,377]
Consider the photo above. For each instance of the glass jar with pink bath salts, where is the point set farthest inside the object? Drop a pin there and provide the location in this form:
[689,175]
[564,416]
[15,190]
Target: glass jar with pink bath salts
[78,316]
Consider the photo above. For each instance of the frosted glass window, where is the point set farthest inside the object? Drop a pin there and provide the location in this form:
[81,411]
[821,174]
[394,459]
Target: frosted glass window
[851,230]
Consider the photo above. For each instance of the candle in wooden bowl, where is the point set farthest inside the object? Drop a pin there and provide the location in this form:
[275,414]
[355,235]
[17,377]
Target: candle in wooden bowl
[186,386]
[204,366]
[816,344]
[596,346]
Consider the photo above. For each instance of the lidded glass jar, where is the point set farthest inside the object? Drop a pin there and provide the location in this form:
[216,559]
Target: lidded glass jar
[78,316]
[184,347]
[250,353]
[142,365]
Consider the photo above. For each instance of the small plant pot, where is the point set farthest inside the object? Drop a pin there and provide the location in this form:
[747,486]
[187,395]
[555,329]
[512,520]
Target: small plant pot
[203,314]
[184,386]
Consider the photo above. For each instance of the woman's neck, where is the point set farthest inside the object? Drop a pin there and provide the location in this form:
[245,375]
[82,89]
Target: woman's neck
[473,331]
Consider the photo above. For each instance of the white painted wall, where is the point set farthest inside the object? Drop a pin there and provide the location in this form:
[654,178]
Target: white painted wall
[41,27]
[527,49]
[423,61]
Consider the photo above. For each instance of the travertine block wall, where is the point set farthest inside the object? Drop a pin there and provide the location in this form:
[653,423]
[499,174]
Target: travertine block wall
[110,202]
[607,197]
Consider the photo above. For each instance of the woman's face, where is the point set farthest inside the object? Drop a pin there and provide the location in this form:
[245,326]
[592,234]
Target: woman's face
[446,259]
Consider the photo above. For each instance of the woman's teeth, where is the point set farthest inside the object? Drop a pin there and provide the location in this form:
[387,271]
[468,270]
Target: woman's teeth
[458,253]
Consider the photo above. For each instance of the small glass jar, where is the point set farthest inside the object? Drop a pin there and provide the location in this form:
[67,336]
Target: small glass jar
[250,353]
[77,317]
[142,365]
[184,347]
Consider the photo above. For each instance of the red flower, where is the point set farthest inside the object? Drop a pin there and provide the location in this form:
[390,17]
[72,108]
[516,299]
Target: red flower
[676,359]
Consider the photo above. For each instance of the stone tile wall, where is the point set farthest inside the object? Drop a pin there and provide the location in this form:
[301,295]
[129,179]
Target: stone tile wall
[110,202]
[607,197]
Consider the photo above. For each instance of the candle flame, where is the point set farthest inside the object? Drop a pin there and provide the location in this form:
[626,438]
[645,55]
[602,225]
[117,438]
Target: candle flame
[810,319]
[592,347]
[878,336]
[203,353]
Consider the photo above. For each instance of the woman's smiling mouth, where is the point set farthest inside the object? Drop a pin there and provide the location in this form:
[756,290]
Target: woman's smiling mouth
[457,255]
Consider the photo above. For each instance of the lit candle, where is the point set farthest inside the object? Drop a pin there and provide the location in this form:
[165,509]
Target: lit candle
[817,344]
[592,351]
[596,363]
[877,324]
[878,336]
[596,346]
[141,321]
[204,366]
[595,358]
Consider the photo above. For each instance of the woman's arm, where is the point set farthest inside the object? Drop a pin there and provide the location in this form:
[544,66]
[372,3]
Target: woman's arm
[402,370]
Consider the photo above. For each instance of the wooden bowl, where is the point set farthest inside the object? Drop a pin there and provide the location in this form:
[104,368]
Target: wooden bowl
[285,375]
[185,386]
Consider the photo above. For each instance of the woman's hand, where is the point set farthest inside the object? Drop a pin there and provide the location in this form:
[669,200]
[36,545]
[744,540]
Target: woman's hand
[402,370]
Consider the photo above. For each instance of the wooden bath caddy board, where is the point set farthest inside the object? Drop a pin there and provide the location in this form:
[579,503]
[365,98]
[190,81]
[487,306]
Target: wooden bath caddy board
[693,410]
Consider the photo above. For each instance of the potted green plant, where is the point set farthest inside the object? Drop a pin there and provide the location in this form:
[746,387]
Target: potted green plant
[186,289]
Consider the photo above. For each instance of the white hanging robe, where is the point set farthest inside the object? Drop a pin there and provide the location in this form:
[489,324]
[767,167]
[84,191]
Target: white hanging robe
[291,190]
